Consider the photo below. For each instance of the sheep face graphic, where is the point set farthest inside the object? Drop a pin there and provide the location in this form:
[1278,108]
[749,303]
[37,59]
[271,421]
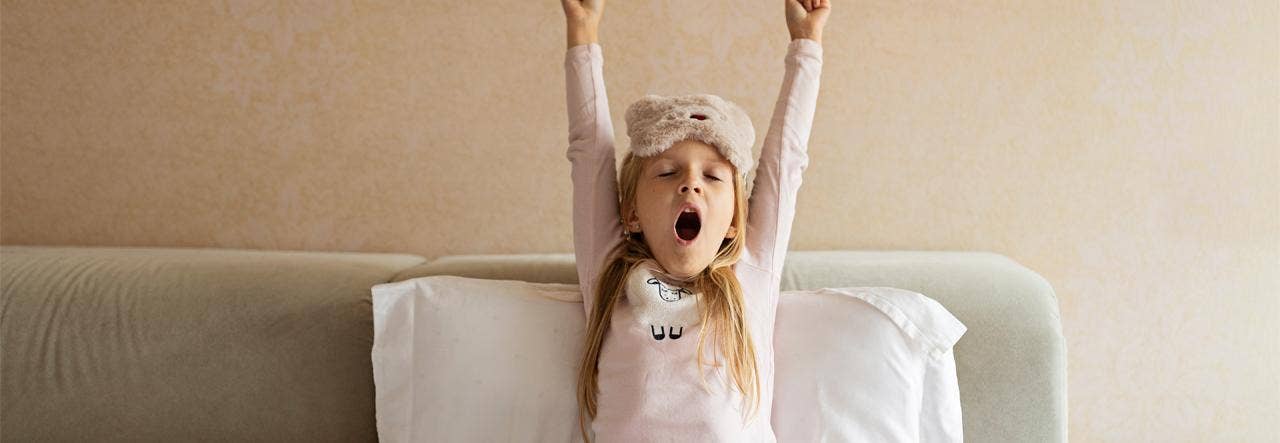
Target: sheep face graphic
[672,308]
[668,294]
[662,310]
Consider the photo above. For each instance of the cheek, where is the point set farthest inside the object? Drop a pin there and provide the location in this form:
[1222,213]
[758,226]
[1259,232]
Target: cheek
[649,210]
[724,212]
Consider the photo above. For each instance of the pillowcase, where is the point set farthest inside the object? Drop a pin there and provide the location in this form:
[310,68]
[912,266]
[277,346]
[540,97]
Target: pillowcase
[865,364]
[463,359]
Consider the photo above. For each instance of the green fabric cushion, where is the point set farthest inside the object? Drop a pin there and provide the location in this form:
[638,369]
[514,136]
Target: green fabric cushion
[150,344]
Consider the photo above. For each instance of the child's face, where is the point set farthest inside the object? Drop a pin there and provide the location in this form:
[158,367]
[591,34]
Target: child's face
[693,172]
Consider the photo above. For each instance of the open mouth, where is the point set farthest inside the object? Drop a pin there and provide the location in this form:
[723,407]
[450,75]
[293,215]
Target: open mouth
[688,224]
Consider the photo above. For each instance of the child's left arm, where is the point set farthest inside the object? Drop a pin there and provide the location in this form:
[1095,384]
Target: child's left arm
[783,157]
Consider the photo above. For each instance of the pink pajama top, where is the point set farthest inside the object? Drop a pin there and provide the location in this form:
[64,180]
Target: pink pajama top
[648,381]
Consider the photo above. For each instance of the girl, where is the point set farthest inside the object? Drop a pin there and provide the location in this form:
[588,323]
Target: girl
[674,245]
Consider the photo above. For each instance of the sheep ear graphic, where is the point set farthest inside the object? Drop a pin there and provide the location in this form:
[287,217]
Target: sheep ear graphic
[659,334]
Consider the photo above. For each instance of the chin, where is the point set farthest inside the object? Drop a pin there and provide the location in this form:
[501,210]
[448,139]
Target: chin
[689,267]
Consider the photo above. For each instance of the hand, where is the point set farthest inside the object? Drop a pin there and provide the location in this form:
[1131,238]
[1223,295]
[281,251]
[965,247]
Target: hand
[582,20]
[582,12]
[806,18]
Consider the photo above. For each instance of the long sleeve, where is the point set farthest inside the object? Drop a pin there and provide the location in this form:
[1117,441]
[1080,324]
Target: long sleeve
[940,418]
[783,159]
[596,223]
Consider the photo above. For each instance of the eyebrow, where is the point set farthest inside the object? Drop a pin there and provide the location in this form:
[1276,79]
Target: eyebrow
[712,163]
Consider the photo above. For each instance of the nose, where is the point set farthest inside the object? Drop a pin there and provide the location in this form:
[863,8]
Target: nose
[685,188]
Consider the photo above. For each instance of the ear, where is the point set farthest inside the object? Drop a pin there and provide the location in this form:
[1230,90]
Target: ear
[733,232]
[631,222]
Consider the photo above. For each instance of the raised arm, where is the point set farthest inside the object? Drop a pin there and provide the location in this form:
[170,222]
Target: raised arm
[596,223]
[784,157]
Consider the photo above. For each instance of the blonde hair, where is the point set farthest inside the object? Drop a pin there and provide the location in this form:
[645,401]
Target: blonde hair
[723,308]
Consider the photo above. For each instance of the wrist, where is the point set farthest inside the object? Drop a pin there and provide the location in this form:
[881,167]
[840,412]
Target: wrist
[581,35]
[817,37]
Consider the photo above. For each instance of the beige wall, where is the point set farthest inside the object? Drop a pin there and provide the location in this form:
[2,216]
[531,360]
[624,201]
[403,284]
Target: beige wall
[1128,151]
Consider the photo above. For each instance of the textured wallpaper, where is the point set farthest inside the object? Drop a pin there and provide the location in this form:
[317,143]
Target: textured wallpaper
[1129,151]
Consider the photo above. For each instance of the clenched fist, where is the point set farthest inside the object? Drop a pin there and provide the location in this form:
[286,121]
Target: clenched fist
[582,12]
[806,18]
[582,20]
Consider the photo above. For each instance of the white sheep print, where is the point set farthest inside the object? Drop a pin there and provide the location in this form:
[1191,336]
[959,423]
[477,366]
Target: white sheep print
[665,310]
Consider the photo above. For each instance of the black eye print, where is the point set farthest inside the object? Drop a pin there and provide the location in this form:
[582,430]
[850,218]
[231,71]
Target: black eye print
[698,116]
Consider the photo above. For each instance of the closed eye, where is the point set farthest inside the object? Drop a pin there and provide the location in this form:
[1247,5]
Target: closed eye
[709,176]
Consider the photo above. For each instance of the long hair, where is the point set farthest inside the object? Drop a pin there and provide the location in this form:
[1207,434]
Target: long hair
[723,309]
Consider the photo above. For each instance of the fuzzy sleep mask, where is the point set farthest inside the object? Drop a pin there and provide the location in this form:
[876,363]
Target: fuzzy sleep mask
[656,122]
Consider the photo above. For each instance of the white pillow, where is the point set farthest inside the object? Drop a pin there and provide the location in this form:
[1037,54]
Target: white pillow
[463,359]
[865,364]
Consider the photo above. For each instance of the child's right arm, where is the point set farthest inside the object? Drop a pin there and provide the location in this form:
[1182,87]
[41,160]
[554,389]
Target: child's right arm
[596,223]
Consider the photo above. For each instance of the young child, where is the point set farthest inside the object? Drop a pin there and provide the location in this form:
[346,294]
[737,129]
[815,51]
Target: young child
[673,246]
